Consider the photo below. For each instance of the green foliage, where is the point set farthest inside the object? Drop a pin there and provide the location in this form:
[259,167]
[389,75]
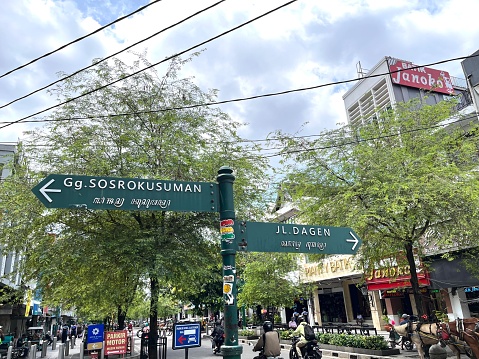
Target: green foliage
[246,332]
[95,261]
[403,181]
[266,279]
[373,342]
[286,334]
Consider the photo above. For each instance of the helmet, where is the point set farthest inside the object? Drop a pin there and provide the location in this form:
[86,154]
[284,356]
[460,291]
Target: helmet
[301,319]
[405,316]
[267,326]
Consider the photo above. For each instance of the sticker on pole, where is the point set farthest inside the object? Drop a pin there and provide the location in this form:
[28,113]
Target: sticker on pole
[186,335]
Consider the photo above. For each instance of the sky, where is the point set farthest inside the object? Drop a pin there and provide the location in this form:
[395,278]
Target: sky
[306,43]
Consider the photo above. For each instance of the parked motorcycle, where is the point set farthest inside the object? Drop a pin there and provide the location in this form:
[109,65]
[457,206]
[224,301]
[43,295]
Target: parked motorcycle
[310,350]
[396,340]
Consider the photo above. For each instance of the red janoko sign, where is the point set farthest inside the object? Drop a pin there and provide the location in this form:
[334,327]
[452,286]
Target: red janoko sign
[403,73]
[392,277]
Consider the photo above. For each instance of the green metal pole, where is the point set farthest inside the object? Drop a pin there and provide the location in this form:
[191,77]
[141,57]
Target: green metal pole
[243,315]
[231,349]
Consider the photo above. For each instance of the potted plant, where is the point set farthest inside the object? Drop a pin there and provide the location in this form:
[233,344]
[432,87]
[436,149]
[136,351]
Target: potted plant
[388,325]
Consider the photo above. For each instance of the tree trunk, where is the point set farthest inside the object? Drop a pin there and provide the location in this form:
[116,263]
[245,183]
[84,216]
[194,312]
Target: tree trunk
[414,280]
[121,317]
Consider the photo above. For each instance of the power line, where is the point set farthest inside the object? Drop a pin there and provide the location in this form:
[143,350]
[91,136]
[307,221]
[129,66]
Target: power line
[356,141]
[79,39]
[213,102]
[471,116]
[110,56]
[150,66]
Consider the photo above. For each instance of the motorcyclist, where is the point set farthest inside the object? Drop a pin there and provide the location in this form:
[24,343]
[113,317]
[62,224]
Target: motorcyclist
[299,332]
[217,335]
[268,344]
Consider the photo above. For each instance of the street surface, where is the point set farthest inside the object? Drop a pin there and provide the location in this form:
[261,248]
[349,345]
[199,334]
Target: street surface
[203,352]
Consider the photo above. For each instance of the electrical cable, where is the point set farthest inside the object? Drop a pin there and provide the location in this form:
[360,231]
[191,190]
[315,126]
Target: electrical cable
[79,39]
[110,56]
[213,102]
[281,153]
[369,139]
[152,65]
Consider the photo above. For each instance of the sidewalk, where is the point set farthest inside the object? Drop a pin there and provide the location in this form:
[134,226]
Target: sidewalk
[328,354]
[74,353]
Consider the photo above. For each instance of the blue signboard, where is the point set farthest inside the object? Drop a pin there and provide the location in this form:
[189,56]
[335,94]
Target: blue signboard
[186,335]
[95,333]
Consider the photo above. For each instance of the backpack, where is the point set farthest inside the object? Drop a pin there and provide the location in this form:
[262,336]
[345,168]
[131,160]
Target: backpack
[309,332]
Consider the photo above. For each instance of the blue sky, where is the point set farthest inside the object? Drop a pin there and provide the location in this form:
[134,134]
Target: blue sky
[307,43]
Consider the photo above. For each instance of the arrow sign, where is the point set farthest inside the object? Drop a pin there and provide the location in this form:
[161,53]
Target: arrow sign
[88,192]
[44,189]
[283,237]
[354,240]
[186,335]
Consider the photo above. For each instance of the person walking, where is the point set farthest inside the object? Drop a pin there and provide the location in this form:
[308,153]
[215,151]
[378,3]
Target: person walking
[73,332]
[65,332]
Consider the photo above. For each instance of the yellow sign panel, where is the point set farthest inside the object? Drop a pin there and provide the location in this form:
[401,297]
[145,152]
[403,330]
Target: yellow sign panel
[227,288]
[94,346]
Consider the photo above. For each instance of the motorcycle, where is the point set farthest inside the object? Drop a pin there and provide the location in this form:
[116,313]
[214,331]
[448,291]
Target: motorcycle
[310,350]
[396,339]
[216,342]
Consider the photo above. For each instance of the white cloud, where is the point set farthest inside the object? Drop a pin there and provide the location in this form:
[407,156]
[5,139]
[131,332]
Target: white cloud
[307,43]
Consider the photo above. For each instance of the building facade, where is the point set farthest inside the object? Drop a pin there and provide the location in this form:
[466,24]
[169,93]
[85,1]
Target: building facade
[341,291]
[391,81]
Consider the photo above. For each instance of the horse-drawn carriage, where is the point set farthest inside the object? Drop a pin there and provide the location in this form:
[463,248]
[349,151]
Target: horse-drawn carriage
[462,335]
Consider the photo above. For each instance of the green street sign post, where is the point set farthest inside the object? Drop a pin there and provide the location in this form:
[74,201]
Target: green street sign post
[231,348]
[87,192]
[295,238]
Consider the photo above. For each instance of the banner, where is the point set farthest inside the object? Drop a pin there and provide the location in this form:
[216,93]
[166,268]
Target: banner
[29,302]
[116,342]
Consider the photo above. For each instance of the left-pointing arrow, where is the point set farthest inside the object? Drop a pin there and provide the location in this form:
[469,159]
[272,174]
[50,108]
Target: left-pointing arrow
[44,190]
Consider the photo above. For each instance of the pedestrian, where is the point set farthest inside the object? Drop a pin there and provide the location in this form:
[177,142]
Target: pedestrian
[73,332]
[292,323]
[296,317]
[304,314]
[65,332]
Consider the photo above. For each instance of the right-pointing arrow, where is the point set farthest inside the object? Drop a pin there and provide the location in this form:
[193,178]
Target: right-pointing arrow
[44,190]
[354,240]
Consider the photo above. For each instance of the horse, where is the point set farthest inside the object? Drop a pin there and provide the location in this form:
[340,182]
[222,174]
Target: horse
[466,330]
[423,334]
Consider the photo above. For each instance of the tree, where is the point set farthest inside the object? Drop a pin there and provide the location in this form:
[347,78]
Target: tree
[270,279]
[147,126]
[404,182]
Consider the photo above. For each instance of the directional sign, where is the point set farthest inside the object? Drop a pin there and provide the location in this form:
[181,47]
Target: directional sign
[282,237]
[95,336]
[65,191]
[186,335]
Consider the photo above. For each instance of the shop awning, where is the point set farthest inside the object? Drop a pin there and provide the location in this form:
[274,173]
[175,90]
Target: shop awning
[448,274]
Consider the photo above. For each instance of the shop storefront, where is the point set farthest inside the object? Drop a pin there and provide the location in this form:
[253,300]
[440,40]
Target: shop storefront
[392,283]
[337,297]
[459,288]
